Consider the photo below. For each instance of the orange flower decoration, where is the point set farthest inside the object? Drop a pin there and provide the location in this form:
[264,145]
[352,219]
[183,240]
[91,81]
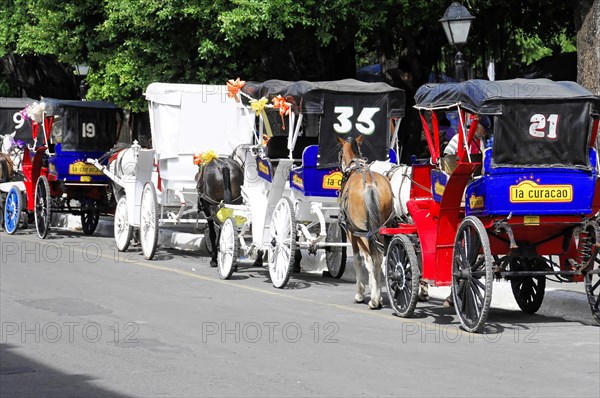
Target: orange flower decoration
[284,107]
[197,158]
[234,87]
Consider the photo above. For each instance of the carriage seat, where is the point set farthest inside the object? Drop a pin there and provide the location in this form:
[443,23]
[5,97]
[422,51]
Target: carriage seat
[277,147]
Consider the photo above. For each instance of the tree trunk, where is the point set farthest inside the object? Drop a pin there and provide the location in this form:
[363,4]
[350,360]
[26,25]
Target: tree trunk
[588,49]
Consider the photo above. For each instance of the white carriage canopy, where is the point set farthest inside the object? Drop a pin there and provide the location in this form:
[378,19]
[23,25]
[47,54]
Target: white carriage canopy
[190,118]
[344,108]
[537,122]
[85,125]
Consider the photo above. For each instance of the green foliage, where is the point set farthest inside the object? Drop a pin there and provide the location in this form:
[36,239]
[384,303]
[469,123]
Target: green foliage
[131,43]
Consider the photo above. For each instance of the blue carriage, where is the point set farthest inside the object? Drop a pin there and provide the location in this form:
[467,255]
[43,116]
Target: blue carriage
[57,175]
[518,200]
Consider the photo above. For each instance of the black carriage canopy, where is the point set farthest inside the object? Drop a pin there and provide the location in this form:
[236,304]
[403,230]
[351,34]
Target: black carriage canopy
[85,125]
[347,108]
[537,122]
[11,119]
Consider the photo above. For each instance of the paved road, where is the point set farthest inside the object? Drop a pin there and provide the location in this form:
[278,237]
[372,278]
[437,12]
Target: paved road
[79,319]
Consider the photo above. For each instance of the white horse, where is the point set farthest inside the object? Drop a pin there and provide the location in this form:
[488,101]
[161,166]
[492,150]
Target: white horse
[11,148]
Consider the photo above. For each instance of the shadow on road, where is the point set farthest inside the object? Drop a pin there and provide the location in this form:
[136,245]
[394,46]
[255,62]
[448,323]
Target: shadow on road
[23,376]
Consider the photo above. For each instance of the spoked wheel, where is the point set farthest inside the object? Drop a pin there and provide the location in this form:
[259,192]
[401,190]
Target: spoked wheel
[42,206]
[472,276]
[592,289]
[90,218]
[149,221]
[12,210]
[402,275]
[527,290]
[229,246]
[123,231]
[283,242]
[335,256]
[591,257]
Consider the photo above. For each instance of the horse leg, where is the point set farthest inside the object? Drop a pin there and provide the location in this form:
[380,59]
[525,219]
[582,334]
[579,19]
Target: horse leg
[297,259]
[373,265]
[423,291]
[212,235]
[358,267]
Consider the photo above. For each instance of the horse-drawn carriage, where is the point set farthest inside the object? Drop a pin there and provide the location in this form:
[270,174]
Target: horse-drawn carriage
[15,134]
[523,207]
[293,178]
[56,178]
[159,186]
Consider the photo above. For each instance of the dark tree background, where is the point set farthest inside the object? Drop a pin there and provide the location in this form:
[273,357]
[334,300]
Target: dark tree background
[131,43]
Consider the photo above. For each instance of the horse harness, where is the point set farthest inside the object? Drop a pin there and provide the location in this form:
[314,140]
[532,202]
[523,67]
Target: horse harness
[346,223]
[200,187]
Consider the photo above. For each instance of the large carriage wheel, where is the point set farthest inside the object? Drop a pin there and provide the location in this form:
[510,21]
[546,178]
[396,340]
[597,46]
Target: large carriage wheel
[335,256]
[149,221]
[592,288]
[527,290]
[42,206]
[402,275]
[229,246]
[90,217]
[12,210]
[123,230]
[472,276]
[283,231]
[590,256]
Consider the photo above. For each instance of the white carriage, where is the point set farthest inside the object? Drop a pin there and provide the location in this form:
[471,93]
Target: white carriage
[156,187]
[291,186]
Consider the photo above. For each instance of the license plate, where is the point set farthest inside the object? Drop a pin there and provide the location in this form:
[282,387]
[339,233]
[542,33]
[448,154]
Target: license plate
[81,168]
[333,180]
[531,220]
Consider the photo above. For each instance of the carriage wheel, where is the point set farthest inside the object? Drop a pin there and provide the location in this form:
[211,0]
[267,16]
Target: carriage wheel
[229,246]
[149,221]
[12,210]
[123,230]
[402,275]
[335,256]
[527,290]
[472,276]
[283,231]
[90,218]
[42,207]
[591,272]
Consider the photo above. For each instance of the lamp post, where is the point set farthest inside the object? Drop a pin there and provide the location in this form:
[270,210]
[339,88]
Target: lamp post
[456,23]
[82,71]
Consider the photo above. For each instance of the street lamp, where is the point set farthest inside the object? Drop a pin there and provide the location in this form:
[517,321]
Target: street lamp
[456,23]
[82,71]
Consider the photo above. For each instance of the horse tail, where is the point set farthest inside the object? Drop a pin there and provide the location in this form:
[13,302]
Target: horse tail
[3,169]
[226,185]
[374,222]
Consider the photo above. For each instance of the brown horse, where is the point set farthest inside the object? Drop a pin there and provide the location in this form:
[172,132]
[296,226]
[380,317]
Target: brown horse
[6,168]
[366,205]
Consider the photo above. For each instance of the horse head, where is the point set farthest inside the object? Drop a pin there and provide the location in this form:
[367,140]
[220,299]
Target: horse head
[350,150]
[8,142]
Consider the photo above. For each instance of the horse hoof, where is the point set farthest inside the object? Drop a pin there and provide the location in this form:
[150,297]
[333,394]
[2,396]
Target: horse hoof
[359,299]
[448,303]
[423,297]
[375,306]
[213,263]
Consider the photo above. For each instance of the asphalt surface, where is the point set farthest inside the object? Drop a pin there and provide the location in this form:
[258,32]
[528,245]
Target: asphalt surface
[80,319]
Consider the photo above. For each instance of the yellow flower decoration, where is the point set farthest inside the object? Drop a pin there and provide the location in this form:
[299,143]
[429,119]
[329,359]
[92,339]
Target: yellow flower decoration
[209,156]
[258,105]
